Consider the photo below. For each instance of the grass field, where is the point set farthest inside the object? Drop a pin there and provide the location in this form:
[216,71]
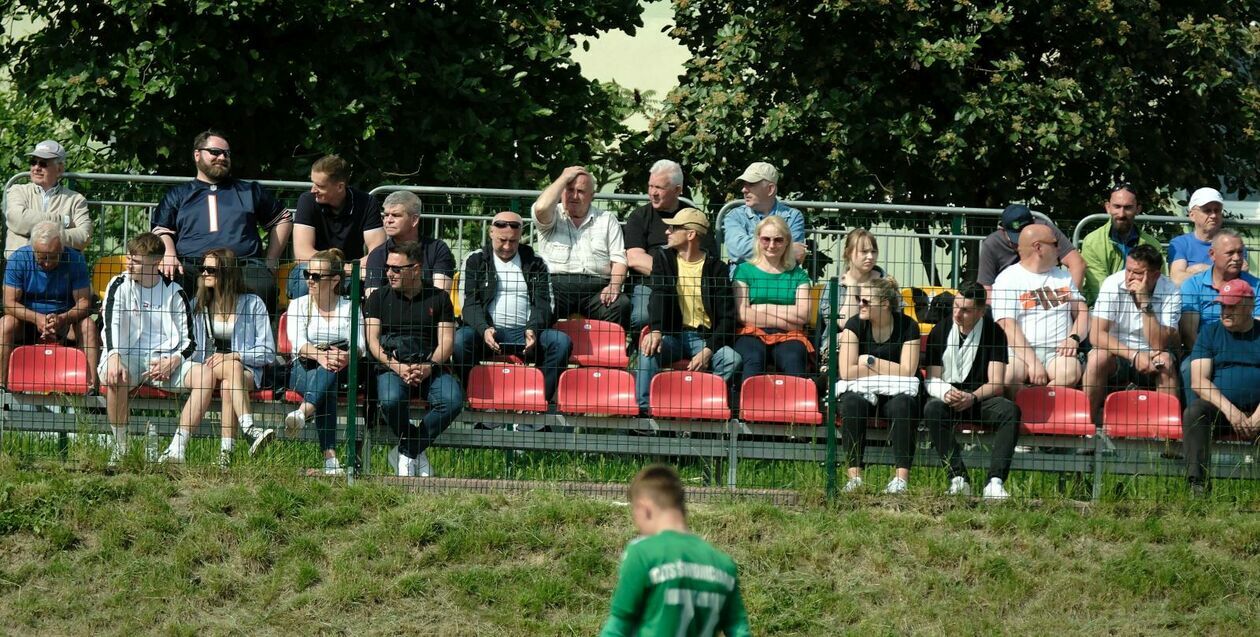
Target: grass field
[261,551]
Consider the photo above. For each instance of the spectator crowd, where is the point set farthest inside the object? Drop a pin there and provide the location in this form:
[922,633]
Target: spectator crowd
[193,312]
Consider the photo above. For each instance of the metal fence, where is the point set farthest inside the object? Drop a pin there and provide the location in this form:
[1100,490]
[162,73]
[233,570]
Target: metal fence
[789,444]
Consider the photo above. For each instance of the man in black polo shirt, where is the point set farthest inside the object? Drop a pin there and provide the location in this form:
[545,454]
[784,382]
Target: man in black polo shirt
[410,330]
[966,368]
[333,215]
[401,219]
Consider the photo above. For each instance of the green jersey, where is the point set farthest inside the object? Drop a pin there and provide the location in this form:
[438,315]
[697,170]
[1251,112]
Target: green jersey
[676,585]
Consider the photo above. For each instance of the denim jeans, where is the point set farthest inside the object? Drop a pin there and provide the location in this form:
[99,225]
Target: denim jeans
[550,353]
[318,387]
[296,285]
[639,314]
[685,344]
[446,400]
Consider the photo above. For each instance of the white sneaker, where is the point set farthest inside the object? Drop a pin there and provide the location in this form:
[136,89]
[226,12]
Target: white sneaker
[225,458]
[293,422]
[170,457]
[261,438]
[333,468]
[995,491]
[959,486]
[115,455]
[896,485]
[392,458]
[852,485]
[406,466]
[421,466]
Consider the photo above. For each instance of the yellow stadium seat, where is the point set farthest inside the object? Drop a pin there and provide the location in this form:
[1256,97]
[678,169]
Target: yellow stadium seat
[105,269]
[455,300]
[282,282]
[815,298]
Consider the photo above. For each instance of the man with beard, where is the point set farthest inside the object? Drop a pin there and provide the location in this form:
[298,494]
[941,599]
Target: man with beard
[1106,248]
[216,210]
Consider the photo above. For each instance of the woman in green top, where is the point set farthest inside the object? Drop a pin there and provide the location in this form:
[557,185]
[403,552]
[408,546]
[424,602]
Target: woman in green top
[772,298]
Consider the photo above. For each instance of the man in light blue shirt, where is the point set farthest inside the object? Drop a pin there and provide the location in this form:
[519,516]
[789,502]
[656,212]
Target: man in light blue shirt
[760,184]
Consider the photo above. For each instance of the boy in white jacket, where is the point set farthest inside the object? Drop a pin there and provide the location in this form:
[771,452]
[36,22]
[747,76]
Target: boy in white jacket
[148,338]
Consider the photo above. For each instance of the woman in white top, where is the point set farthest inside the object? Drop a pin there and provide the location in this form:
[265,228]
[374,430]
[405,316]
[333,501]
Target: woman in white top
[319,329]
[233,335]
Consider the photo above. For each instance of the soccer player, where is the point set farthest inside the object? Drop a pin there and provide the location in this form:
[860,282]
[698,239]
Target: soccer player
[672,582]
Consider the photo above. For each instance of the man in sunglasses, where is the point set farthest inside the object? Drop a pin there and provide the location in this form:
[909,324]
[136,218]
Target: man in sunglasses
[1106,248]
[333,215]
[1000,250]
[401,220]
[584,249]
[217,210]
[507,305]
[1037,304]
[45,199]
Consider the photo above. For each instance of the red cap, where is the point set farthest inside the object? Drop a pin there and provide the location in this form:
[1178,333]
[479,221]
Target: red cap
[1233,292]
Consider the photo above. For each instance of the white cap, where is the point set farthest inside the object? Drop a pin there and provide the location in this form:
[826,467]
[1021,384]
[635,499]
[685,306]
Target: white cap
[1204,196]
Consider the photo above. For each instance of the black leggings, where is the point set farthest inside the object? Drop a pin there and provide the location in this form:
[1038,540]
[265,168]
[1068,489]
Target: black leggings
[996,414]
[856,414]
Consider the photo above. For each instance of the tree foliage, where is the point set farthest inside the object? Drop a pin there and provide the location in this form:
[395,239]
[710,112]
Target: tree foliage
[964,102]
[466,92]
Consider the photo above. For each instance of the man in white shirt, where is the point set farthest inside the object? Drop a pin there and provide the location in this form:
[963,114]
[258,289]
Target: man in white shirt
[45,199]
[584,249]
[507,305]
[1133,329]
[1042,312]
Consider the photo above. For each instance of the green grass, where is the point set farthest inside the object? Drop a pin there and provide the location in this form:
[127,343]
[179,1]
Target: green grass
[259,550]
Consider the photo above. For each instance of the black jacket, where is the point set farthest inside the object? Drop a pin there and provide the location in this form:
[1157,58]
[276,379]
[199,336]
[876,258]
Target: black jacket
[481,285]
[716,294]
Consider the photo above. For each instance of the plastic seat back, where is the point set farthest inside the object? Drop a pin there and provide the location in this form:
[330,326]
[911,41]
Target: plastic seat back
[282,281]
[1142,414]
[1055,411]
[105,269]
[782,399]
[506,388]
[596,343]
[597,392]
[283,344]
[48,369]
[689,396]
[456,296]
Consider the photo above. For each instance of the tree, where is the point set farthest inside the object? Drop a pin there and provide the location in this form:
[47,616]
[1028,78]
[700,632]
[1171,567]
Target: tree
[467,92]
[966,103]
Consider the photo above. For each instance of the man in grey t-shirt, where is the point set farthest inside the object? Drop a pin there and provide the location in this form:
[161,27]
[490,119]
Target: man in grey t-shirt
[1000,249]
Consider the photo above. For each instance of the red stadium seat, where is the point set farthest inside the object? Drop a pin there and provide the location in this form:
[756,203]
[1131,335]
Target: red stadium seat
[595,391]
[48,368]
[506,388]
[775,398]
[282,335]
[1055,411]
[689,396]
[1142,414]
[596,343]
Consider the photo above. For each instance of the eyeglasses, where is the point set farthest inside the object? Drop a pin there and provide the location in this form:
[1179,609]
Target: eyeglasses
[773,240]
[209,270]
[398,269]
[515,225]
[317,276]
[217,152]
[42,163]
[865,302]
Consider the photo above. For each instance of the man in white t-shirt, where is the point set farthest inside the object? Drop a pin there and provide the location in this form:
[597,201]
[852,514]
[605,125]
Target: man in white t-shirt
[1133,329]
[507,305]
[1042,312]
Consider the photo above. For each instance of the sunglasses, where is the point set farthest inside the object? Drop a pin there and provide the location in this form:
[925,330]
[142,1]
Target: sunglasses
[1054,243]
[773,240]
[317,276]
[865,302]
[515,225]
[209,270]
[398,269]
[42,163]
[217,152]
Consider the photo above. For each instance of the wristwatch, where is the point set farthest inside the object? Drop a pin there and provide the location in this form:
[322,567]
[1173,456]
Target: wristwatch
[870,361]
[1075,338]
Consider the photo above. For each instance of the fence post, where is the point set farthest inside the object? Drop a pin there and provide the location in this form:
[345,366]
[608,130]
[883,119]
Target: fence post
[955,228]
[833,361]
[352,398]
